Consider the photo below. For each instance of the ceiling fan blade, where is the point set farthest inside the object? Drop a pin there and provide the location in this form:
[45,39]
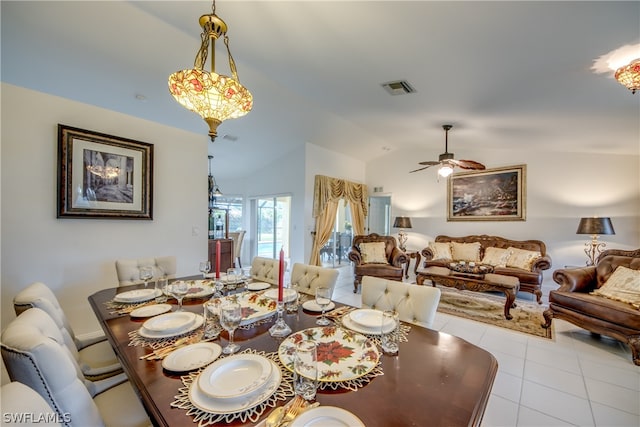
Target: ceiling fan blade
[469,164]
[429,163]
[421,169]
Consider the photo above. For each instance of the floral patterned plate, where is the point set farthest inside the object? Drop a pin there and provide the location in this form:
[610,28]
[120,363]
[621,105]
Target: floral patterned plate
[255,306]
[200,288]
[342,354]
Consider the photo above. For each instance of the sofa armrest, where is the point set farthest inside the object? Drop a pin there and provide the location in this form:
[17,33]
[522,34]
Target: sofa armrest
[426,253]
[354,255]
[541,263]
[398,257]
[576,279]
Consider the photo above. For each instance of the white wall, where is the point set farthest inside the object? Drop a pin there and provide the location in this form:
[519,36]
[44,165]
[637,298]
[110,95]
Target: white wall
[561,188]
[75,257]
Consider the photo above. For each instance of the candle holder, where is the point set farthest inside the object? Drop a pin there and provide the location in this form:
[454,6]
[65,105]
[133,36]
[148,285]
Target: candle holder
[280,328]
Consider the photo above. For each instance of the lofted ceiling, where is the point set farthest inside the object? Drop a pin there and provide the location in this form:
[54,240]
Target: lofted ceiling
[507,75]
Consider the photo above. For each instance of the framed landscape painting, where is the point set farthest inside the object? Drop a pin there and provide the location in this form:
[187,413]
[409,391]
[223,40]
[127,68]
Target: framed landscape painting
[490,195]
[103,176]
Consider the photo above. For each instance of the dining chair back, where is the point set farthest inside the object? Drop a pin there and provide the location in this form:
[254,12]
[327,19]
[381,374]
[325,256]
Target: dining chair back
[266,270]
[128,270]
[23,406]
[94,355]
[238,238]
[306,278]
[414,304]
[35,354]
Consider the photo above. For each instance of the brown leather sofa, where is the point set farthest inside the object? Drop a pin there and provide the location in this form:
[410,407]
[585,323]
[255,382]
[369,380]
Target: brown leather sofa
[530,281]
[392,270]
[574,303]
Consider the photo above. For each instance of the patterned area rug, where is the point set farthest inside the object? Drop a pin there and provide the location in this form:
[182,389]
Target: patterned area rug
[488,308]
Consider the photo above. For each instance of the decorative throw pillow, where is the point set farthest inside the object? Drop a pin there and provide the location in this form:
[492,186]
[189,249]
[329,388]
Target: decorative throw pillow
[623,285]
[465,251]
[373,253]
[496,257]
[440,250]
[521,258]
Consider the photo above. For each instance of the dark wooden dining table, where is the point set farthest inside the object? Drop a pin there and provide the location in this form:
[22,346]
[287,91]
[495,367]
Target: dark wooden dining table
[436,379]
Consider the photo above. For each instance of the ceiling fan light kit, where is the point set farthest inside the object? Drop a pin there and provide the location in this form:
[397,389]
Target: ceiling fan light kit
[446,160]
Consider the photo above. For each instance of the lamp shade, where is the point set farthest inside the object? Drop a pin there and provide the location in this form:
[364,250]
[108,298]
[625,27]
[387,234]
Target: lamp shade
[402,222]
[595,226]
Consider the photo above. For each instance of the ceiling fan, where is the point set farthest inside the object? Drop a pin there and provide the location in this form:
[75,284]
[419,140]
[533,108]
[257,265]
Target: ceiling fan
[446,160]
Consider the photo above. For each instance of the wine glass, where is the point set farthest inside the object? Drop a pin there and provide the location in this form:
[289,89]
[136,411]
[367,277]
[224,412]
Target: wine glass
[146,273]
[323,299]
[178,290]
[230,317]
[205,267]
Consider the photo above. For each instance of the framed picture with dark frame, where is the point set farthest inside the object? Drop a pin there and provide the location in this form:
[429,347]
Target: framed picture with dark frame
[490,195]
[103,176]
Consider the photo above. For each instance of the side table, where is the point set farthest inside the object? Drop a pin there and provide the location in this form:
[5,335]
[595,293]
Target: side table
[411,255]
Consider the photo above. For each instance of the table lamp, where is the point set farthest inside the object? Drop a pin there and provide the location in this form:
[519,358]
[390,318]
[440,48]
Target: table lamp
[402,222]
[594,226]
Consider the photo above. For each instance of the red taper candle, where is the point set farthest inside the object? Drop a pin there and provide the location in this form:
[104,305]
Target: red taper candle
[281,276]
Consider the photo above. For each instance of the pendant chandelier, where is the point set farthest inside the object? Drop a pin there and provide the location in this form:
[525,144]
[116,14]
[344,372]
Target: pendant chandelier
[629,75]
[215,97]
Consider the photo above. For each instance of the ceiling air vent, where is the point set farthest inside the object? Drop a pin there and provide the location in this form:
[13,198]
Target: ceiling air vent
[399,87]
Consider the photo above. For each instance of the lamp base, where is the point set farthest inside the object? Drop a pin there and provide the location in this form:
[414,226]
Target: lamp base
[593,250]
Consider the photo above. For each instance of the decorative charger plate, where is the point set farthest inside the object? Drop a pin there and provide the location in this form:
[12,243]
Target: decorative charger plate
[226,406]
[192,356]
[145,333]
[343,355]
[200,288]
[288,295]
[150,310]
[326,416]
[235,376]
[137,295]
[254,306]
[170,322]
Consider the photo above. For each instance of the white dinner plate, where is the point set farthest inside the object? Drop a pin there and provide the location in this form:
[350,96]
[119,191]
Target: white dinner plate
[288,295]
[235,376]
[170,322]
[192,356]
[326,416]
[369,318]
[258,286]
[226,406]
[137,295]
[150,310]
[145,333]
[350,324]
[312,305]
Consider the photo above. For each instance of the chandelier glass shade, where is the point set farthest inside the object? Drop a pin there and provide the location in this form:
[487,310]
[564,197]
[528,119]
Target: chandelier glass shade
[215,97]
[629,75]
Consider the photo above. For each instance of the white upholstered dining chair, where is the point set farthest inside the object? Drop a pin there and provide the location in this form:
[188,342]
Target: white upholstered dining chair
[414,303]
[238,238]
[128,270]
[95,356]
[266,269]
[306,278]
[18,400]
[35,354]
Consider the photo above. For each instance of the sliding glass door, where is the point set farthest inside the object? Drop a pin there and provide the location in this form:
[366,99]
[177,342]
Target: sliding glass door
[272,225]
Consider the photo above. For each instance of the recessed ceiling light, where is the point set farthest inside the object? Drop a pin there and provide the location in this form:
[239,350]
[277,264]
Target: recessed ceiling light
[140,97]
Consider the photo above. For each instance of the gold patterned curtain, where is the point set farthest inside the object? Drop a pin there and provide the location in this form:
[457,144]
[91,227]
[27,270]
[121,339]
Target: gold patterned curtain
[326,195]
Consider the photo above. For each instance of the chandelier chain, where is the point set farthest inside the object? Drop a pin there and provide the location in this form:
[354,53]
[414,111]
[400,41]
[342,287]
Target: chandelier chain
[232,63]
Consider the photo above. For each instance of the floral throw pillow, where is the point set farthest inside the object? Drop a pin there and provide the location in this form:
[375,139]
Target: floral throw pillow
[465,251]
[373,253]
[523,259]
[623,285]
[496,257]
[440,250]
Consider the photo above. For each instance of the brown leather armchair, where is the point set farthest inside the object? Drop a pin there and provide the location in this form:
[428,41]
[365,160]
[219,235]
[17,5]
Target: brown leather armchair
[574,303]
[392,270]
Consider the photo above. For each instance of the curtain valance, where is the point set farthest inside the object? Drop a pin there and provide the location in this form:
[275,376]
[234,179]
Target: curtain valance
[328,189]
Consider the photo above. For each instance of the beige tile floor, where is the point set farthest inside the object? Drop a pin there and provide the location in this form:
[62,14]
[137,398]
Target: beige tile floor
[573,380]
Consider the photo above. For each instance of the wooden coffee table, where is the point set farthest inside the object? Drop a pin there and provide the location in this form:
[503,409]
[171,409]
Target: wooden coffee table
[469,281]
